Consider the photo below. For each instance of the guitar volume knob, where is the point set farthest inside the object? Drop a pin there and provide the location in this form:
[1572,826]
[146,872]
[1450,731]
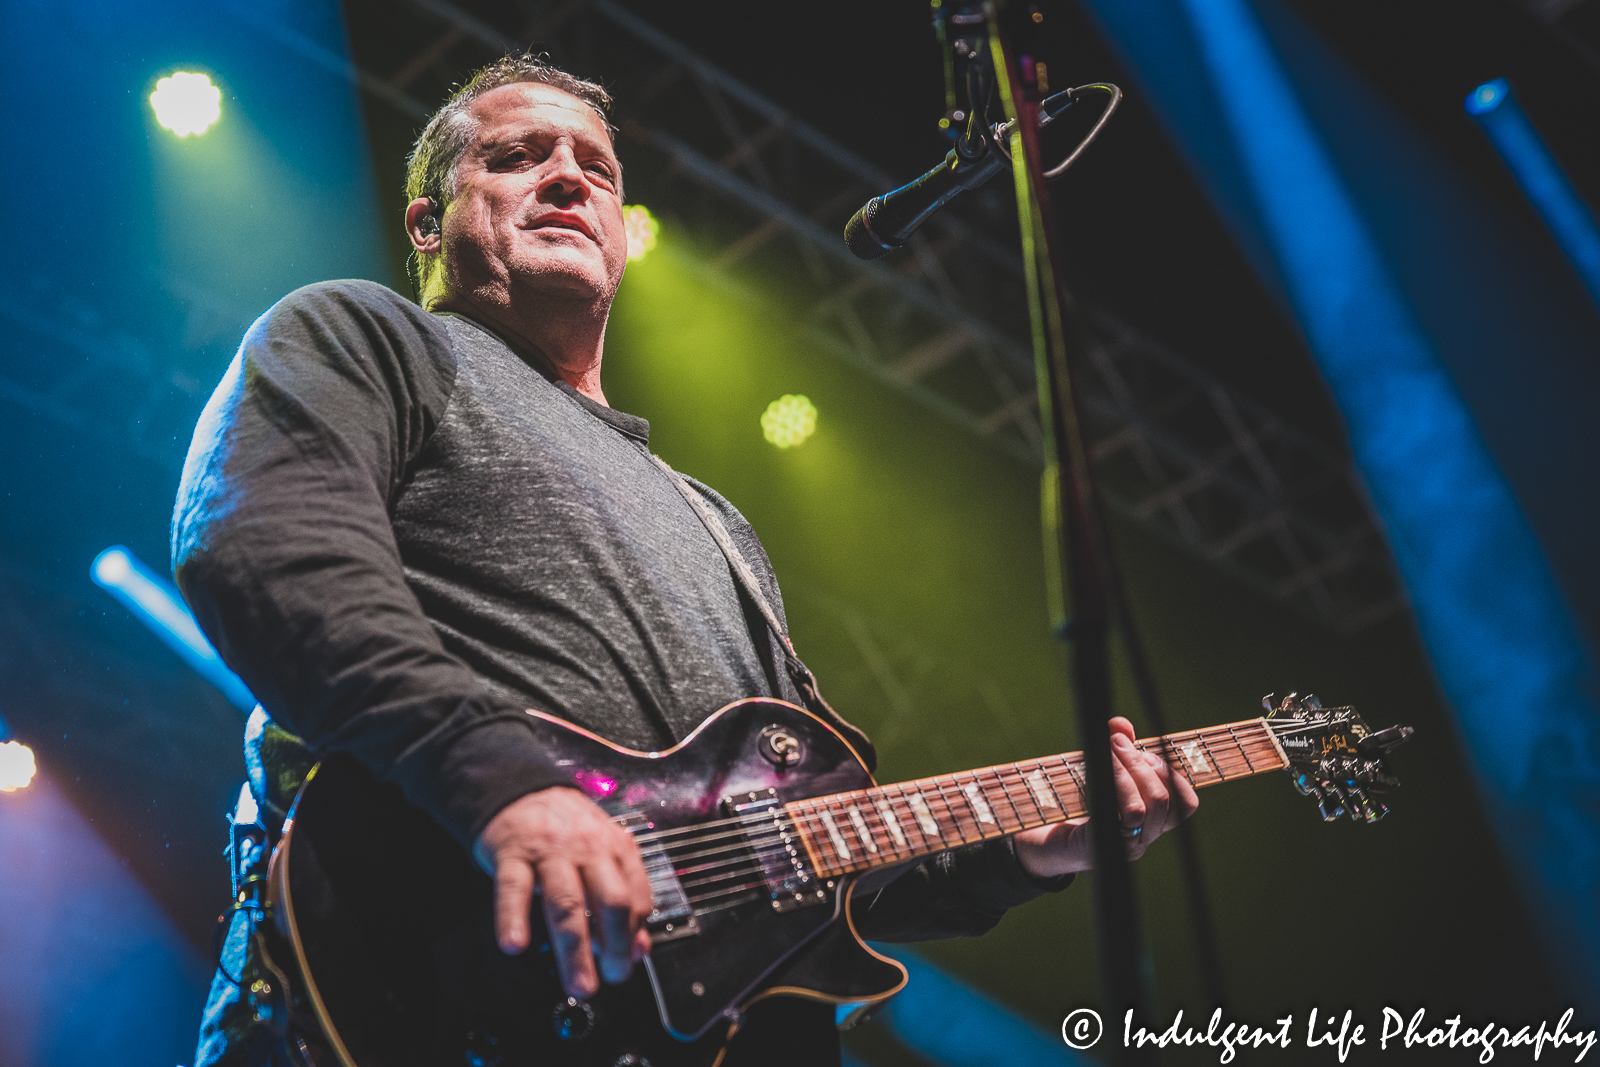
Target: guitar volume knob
[573,1019]
[781,747]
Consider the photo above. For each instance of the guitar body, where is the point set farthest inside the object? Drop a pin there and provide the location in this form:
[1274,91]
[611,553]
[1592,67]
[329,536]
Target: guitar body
[392,928]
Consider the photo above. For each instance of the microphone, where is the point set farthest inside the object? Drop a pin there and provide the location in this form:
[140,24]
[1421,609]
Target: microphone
[886,222]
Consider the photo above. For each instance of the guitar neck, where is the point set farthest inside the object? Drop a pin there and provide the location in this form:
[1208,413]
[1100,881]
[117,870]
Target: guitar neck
[867,828]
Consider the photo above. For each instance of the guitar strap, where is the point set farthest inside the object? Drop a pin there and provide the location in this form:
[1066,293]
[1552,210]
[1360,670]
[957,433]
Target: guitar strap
[798,672]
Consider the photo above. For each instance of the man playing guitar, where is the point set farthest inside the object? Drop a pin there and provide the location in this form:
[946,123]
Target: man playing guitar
[403,526]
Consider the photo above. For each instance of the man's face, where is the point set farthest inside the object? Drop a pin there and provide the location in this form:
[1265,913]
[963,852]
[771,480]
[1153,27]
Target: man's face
[538,205]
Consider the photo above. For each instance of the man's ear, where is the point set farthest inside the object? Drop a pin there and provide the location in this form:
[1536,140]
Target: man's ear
[424,223]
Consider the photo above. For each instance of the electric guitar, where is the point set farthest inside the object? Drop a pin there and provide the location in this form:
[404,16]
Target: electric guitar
[753,832]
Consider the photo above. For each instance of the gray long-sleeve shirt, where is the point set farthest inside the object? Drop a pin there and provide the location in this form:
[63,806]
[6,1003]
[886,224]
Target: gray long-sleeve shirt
[401,535]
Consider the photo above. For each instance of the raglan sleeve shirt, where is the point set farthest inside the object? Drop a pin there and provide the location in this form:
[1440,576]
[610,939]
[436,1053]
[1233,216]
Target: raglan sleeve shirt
[284,546]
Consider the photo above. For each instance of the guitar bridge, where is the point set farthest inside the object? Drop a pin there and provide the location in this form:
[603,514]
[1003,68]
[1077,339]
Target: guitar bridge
[671,916]
[772,840]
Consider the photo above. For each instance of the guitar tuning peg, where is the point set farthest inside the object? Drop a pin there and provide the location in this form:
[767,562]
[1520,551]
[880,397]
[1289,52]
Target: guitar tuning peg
[1332,803]
[1302,782]
[1386,740]
[1312,702]
[1377,809]
[1356,801]
[1266,702]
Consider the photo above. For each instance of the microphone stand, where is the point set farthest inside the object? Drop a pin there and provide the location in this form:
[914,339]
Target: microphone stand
[1078,560]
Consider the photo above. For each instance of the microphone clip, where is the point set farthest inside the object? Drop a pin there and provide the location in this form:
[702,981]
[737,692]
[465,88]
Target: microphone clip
[886,222]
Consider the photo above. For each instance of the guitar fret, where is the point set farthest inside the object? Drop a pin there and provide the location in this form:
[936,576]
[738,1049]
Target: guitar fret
[1200,736]
[950,809]
[1063,804]
[977,802]
[975,805]
[871,813]
[1234,738]
[1267,745]
[1239,763]
[995,807]
[1182,757]
[867,828]
[1021,789]
[931,798]
[1037,784]
[862,833]
[802,816]
[892,823]
[1005,791]
[925,820]
[1080,785]
[840,848]
[1189,756]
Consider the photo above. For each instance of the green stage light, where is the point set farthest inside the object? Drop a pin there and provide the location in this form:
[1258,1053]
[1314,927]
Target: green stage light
[641,228]
[186,103]
[789,420]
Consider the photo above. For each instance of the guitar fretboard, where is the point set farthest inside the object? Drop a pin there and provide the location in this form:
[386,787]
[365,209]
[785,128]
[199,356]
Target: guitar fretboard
[888,824]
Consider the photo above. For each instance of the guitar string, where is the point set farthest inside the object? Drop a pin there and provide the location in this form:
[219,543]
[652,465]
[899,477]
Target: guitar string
[743,867]
[739,834]
[756,847]
[722,872]
[1014,772]
[739,822]
[808,818]
[770,843]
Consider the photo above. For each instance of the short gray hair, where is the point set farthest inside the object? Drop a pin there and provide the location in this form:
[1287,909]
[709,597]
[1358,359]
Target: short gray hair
[431,167]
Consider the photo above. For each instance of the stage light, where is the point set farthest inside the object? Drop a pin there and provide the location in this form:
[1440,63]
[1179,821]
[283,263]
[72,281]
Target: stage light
[789,420]
[1573,225]
[641,228]
[1487,97]
[16,766]
[187,104]
[156,604]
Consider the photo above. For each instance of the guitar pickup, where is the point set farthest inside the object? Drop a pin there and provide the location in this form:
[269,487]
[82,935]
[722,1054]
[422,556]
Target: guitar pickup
[773,842]
[671,915]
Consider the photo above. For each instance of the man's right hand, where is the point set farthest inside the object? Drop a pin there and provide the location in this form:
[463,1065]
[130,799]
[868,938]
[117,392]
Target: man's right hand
[587,869]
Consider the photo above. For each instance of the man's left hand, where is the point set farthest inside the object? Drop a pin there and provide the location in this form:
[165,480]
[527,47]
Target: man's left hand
[1151,799]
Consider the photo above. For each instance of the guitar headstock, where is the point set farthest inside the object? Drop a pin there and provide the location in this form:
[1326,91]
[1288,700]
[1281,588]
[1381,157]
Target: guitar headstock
[1334,756]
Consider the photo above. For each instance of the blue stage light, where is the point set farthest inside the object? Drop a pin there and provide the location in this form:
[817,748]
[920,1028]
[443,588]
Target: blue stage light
[1542,180]
[1487,96]
[156,604]
[1508,652]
